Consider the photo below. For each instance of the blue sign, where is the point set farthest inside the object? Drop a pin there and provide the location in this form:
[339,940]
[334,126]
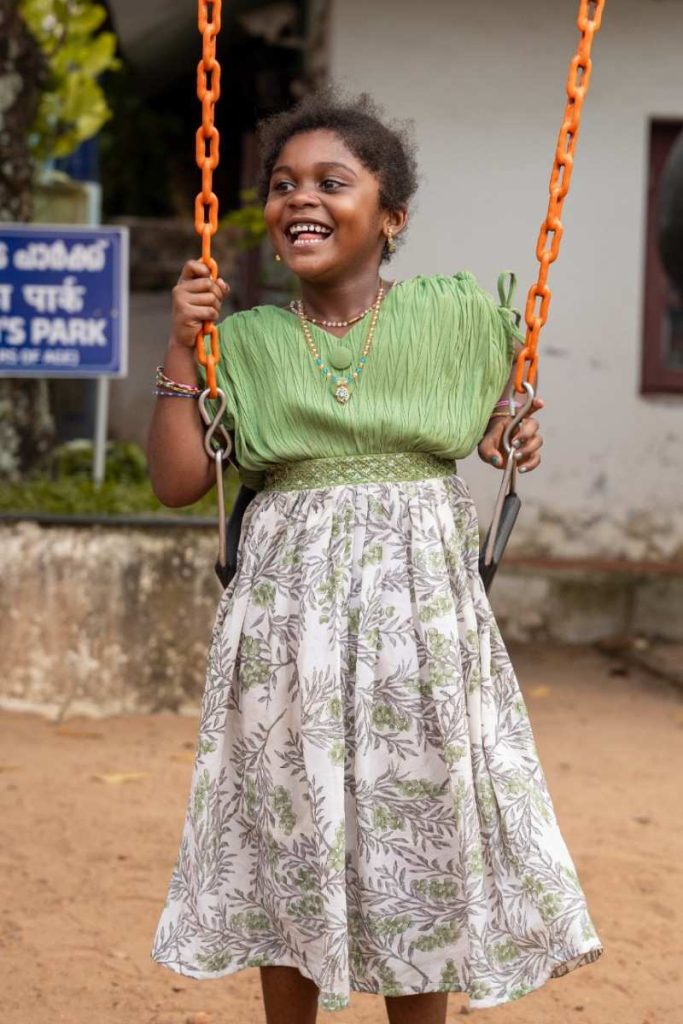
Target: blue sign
[63,301]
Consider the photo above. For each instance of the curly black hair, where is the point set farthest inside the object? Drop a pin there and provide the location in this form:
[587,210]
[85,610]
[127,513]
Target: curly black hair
[387,149]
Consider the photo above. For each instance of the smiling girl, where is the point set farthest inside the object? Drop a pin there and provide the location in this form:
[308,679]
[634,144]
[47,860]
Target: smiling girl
[368,811]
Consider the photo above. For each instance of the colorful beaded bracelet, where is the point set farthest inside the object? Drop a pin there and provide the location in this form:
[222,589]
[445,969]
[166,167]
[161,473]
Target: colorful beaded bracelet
[165,387]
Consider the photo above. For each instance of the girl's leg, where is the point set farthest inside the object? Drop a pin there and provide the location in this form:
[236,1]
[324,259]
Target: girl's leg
[288,997]
[428,1008]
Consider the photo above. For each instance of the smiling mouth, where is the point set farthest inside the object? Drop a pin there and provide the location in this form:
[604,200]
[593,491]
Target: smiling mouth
[304,235]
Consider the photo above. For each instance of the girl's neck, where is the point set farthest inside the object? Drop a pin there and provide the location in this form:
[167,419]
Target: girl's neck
[342,299]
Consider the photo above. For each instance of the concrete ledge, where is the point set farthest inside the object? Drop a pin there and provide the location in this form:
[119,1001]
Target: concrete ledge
[105,621]
[109,620]
[582,603]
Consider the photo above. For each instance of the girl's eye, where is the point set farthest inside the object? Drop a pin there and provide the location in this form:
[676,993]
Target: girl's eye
[330,185]
[281,186]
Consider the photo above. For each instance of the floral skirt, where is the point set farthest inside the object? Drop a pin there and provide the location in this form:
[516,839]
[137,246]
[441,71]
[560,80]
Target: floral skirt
[367,803]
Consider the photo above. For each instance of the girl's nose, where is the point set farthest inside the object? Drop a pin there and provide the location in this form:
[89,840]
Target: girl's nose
[302,197]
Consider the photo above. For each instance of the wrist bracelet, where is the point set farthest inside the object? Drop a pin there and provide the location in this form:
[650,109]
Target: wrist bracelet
[169,393]
[167,388]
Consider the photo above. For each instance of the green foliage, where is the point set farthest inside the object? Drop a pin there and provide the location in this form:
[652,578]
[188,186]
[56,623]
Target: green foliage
[73,107]
[80,497]
[69,490]
[248,219]
[126,462]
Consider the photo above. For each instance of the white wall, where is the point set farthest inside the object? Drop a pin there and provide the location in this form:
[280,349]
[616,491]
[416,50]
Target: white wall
[484,83]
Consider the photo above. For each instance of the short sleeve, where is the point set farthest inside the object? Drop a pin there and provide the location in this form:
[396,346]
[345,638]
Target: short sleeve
[498,332]
[488,330]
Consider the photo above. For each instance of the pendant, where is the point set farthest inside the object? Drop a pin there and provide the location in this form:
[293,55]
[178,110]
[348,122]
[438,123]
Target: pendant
[340,357]
[342,393]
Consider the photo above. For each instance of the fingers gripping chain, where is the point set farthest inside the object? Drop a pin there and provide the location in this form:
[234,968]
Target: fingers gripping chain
[522,411]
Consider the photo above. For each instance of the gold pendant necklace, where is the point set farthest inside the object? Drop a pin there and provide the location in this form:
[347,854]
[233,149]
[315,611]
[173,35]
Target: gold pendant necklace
[342,391]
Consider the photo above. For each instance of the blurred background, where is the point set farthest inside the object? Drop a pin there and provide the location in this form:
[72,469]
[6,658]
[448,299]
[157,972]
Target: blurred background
[108,135]
[107,598]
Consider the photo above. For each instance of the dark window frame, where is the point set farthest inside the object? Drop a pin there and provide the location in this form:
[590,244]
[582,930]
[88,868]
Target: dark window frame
[656,376]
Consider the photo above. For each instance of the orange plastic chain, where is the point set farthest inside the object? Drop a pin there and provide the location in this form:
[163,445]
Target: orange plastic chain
[207,140]
[548,246]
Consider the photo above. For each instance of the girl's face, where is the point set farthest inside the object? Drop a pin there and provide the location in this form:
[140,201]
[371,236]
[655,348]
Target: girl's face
[323,213]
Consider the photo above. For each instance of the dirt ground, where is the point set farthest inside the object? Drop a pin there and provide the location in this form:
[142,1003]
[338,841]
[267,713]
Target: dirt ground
[88,847]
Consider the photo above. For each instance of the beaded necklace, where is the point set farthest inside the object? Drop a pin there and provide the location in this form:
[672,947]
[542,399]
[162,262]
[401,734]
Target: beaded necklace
[342,391]
[331,323]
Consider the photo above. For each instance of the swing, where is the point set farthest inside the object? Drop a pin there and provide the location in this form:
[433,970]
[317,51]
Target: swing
[218,443]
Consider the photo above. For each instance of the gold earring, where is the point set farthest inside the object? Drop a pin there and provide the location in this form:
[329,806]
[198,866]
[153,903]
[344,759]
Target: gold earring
[278,257]
[391,244]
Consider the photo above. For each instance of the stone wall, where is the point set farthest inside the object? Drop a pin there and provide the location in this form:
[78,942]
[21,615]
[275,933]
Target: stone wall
[106,620]
[101,620]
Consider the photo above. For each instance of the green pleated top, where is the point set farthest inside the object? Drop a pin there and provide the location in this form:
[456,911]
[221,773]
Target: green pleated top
[440,359]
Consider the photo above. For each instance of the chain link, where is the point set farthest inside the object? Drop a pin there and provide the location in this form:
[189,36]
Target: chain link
[207,156]
[548,246]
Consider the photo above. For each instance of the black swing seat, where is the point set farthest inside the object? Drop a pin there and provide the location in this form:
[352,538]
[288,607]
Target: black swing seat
[508,518]
[233,529]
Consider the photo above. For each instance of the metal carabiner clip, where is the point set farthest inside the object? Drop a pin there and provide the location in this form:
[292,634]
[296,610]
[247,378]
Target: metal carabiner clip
[218,446]
[508,504]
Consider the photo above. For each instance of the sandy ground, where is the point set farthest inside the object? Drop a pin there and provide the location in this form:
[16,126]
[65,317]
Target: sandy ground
[86,861]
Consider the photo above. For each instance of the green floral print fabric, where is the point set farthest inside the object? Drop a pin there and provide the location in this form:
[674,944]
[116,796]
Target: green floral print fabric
[367,803]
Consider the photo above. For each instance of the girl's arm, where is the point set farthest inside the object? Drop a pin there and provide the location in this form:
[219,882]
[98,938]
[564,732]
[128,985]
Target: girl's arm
[180,470]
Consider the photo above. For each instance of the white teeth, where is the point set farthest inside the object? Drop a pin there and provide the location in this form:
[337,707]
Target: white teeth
[310,229]
[308,241]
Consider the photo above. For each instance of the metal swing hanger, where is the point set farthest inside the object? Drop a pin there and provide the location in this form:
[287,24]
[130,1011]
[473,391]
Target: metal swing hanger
[508,503]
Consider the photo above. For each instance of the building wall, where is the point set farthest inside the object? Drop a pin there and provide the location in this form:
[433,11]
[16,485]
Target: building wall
[484,84]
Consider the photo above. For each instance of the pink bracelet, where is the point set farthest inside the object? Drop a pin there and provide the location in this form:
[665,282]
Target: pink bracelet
[503,408]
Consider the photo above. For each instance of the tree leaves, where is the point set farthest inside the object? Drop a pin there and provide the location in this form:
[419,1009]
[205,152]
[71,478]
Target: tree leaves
[73,106]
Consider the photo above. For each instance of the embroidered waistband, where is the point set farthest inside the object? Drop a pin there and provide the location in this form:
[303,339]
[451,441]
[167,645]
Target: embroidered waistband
[390,467]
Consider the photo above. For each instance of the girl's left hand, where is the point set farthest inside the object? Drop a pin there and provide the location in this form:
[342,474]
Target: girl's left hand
[526,443]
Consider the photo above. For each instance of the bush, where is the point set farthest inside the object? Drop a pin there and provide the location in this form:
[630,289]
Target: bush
[126,462]
[68,490]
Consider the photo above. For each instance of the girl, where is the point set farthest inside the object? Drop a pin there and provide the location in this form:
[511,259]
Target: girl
[367,809]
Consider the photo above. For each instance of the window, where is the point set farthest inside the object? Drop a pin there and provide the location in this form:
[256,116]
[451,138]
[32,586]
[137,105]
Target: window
[662,369]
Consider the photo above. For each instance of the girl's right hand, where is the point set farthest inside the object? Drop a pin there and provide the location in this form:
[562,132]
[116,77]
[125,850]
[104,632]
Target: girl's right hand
[196,299]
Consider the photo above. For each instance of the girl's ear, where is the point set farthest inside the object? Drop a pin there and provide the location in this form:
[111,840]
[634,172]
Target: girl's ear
[395,221]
